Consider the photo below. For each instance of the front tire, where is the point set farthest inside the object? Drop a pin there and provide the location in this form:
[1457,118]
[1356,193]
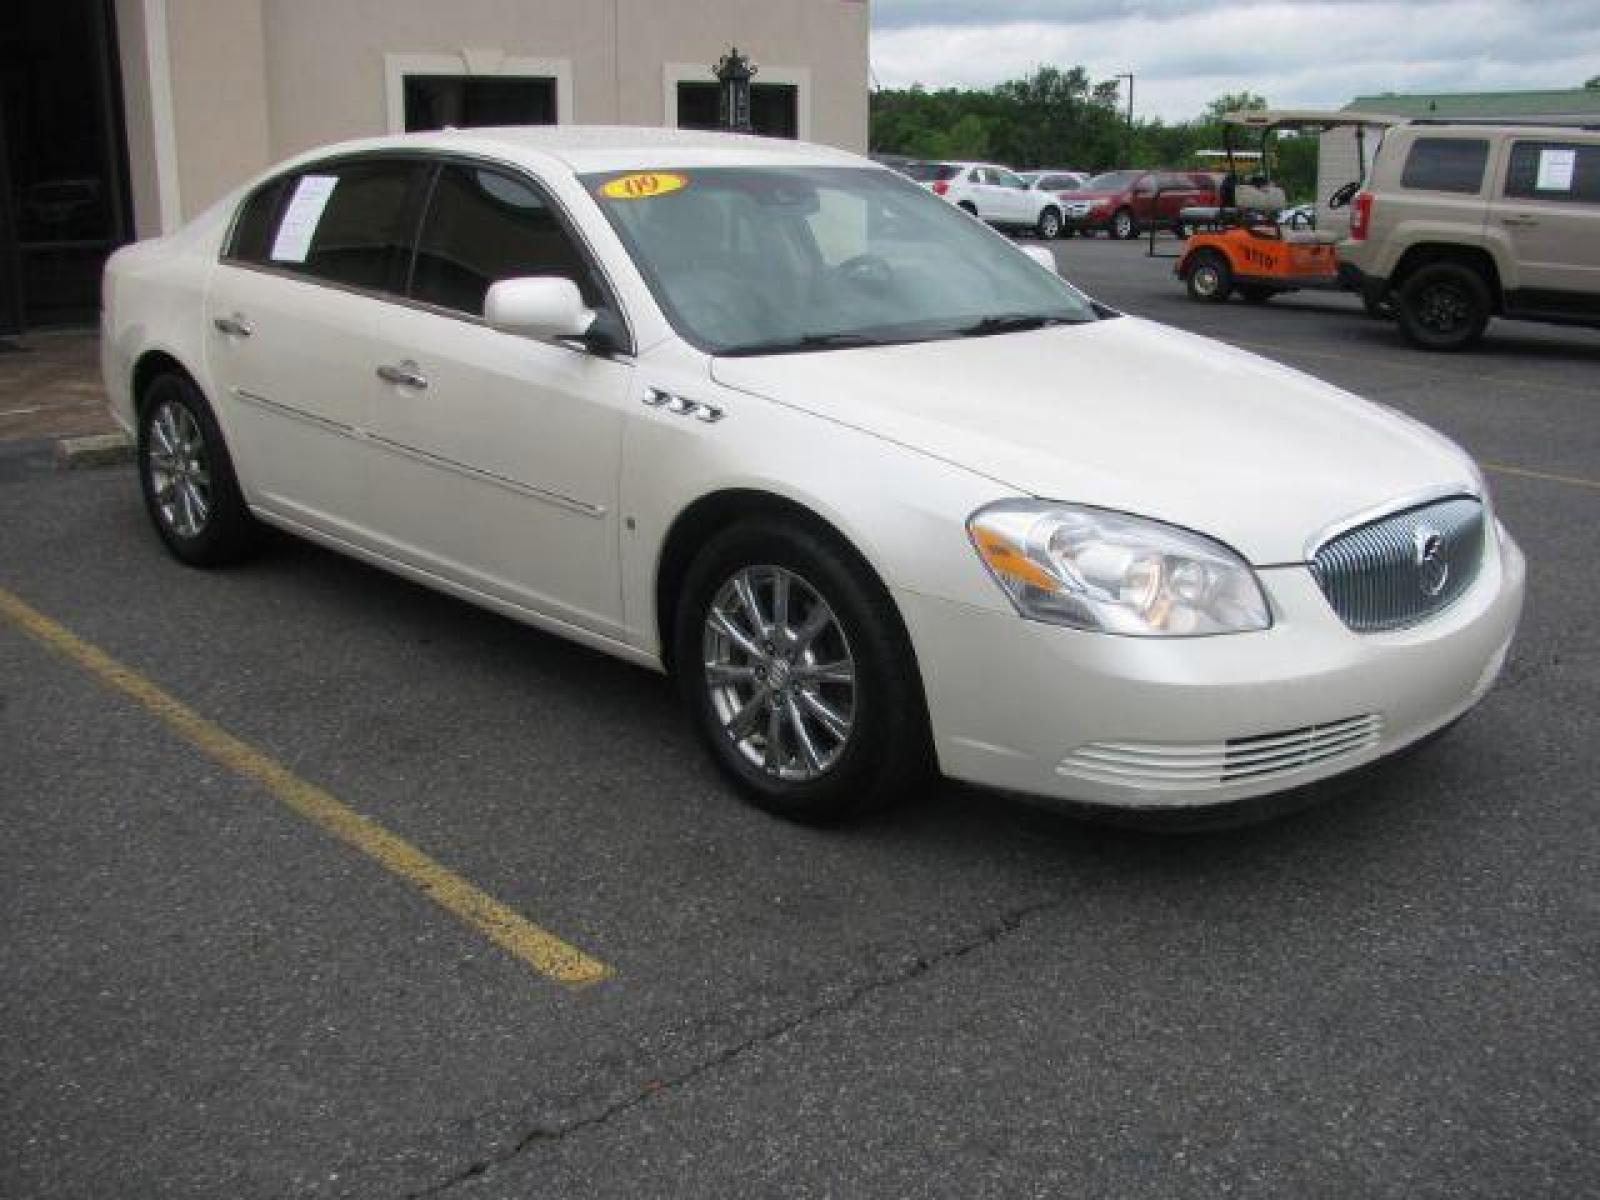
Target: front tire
[1209,280]
[1049,225]
[186,475]
[1123,226]
[798,675]
[1443,306]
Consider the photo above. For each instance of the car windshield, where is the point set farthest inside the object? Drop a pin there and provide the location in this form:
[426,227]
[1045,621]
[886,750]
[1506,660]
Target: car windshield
[765,260]
[1111,181]
[930,172]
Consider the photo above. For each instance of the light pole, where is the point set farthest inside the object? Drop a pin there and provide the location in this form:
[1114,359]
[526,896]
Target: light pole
[1128,75]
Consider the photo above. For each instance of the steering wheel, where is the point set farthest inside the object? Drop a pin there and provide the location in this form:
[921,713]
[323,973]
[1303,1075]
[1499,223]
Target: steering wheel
[869,271]
[1344,195]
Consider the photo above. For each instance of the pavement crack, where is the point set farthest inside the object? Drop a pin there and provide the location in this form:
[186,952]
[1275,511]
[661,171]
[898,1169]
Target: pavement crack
[1007,923]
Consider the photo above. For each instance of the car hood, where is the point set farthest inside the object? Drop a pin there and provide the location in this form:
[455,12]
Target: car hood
[1129,415]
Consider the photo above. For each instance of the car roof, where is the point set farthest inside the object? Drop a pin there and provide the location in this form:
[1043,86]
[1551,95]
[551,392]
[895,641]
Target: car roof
[586,148]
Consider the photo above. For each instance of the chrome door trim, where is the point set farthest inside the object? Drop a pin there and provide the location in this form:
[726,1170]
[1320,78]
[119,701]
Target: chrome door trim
[545,496]
[298,414]
[557,499]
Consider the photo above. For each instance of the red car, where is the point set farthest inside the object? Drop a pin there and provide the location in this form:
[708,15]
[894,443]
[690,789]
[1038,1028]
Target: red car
[1125,202]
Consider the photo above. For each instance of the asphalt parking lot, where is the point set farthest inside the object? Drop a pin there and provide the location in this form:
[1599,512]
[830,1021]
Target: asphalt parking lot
[220,981]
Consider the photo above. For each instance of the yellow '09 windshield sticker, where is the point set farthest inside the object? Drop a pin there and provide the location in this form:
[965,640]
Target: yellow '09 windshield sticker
[643,186]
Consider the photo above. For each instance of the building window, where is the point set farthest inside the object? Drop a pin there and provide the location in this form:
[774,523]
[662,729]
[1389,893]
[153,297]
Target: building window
[774,107]
[434,101]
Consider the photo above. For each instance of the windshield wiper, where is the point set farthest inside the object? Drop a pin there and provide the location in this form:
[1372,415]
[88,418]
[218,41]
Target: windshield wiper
[810,341]
[1014,323]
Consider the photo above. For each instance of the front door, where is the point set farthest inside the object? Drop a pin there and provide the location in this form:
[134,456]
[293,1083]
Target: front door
[495,457]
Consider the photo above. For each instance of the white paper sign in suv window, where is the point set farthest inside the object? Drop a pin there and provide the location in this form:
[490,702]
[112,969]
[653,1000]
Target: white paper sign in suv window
[299,224]
[1555,170]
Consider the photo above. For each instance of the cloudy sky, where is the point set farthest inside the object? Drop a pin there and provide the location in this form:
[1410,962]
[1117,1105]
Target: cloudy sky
[1315,53]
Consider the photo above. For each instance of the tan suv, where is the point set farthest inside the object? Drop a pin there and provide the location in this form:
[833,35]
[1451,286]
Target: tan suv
[1458,223]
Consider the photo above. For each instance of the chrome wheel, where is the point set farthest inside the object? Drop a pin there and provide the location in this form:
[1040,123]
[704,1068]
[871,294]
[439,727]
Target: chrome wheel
[180,470]
[1122,225]
[779,672]
[1207,280]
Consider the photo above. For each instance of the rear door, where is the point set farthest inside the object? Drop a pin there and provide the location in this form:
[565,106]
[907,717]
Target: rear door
[294,318]
[986,193]
[1547,206]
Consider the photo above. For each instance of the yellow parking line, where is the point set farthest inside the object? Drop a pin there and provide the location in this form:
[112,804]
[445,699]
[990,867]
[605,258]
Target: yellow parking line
[543,951]
[1574,480]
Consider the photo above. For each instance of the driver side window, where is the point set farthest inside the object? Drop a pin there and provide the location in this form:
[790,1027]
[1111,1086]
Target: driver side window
[483,226]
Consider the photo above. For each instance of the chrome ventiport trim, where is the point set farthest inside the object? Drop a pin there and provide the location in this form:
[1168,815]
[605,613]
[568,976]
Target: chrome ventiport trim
[682,406]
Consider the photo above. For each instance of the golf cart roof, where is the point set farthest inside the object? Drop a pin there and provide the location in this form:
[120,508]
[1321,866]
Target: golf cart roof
[1304,118]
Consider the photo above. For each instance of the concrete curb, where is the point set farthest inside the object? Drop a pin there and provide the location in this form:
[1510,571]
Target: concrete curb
[94,450]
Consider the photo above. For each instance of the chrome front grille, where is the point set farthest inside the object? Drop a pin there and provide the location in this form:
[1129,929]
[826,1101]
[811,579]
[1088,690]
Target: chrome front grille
[1402,568]
[1192,767]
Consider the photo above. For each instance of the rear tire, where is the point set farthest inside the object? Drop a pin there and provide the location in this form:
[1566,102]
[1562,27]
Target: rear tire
[1123,226]
[186,475]
[1209,279]
[810,704]
[1049,225]
[1443,307]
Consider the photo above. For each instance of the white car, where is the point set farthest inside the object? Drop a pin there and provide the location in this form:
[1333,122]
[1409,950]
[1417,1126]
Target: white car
[991,193]
[776,420]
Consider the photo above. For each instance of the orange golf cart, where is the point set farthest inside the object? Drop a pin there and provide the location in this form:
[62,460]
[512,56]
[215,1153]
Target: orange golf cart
[1245,245]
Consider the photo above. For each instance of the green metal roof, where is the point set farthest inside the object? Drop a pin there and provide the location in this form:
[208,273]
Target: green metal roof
[1569,102]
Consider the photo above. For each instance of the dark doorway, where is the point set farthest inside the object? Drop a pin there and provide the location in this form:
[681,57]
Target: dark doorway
[63,191]
[434,101]
[774,108]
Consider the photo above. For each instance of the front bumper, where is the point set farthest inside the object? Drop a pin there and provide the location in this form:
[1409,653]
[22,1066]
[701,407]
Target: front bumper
[1085,220]
[1182,724]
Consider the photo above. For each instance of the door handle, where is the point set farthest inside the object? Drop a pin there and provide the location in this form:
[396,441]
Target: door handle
[234,326]
[404,374]
[1520,219]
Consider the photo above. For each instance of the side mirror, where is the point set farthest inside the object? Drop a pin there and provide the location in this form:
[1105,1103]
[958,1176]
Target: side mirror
[1041,256]
[538,306]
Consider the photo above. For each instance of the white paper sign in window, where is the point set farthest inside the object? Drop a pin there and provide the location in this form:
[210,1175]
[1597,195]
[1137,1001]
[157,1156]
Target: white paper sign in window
[1555,170]
[299,224]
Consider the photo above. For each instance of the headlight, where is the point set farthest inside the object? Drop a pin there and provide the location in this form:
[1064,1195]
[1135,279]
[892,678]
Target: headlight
[1095,569]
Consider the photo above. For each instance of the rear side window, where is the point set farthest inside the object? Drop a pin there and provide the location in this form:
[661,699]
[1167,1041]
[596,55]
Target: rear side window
[1446,165]
[258,217]
[351,223]
[1554,171]
[483,226]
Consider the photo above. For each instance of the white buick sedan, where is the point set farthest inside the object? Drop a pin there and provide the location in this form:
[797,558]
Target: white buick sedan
[782,423]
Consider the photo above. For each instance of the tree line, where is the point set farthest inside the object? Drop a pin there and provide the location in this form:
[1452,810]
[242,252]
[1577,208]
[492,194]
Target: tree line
[1060,118]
